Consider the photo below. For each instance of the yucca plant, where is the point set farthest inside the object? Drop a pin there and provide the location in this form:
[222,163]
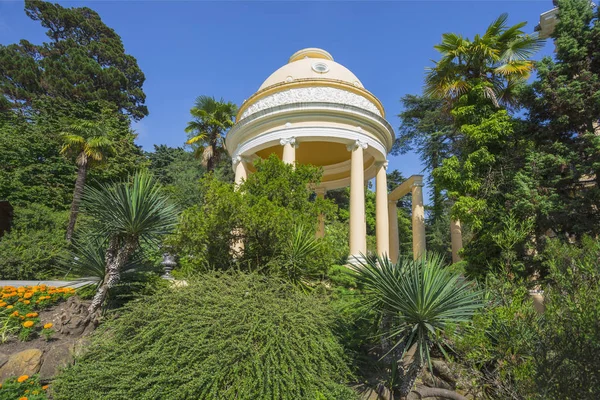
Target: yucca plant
[418,299]
[302,247]
[127,213]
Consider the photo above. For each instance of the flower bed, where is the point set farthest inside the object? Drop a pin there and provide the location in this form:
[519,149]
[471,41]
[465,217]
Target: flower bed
[19,310]
[23,388]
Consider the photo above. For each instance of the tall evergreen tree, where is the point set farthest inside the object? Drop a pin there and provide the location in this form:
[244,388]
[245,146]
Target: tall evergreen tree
[84,61]
[561,182]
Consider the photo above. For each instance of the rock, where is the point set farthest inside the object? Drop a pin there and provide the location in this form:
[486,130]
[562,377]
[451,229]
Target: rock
[441,369]
[75,319]
[57,357]
[26,362]
[3,359]
[435,382]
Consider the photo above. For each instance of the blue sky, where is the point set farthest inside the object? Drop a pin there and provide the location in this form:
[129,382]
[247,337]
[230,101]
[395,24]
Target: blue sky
[226,49]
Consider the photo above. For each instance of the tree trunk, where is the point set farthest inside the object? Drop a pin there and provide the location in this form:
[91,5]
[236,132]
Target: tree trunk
[82,165]
[210,161]
[116,257]
[409,378]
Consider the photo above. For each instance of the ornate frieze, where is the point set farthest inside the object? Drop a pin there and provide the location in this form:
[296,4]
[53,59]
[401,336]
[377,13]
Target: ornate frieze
[311,94]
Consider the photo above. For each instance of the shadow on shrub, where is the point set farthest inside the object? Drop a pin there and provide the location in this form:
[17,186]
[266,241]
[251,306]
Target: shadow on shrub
[224,336]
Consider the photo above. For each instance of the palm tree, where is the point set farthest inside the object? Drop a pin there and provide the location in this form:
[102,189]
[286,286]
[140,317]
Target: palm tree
[499,60]
[127,213]
[419,299]
[212,119]
[88,141]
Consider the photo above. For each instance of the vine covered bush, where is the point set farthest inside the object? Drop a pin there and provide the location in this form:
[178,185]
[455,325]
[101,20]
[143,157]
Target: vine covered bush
[226,335]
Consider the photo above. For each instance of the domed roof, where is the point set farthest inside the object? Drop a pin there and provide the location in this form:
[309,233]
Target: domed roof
[311,63]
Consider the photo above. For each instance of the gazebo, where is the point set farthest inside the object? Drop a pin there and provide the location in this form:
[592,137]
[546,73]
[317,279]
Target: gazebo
[315,111]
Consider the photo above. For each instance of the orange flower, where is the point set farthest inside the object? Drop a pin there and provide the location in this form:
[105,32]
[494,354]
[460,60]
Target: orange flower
[45,387]
[32,315]
[14,314]
[28,324]
[22,378]
[23,398]
[26,301]
[21,289]
[9,307]
[48,325]
[28,295]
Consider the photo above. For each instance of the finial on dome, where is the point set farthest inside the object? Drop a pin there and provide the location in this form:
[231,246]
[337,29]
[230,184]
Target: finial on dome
[310,52]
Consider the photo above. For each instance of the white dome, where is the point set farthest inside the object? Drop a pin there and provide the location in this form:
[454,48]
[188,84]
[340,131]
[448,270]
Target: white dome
[311,64]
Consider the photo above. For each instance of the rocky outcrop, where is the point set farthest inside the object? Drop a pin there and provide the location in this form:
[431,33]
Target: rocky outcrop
[71,323]
[74,320]
[26,362]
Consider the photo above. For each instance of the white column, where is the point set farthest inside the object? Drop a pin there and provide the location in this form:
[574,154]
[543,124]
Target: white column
[382,227]
[418,220]
[289,150]
[241,172]
[394,236]
[321,226]
[358,227]
[455,239]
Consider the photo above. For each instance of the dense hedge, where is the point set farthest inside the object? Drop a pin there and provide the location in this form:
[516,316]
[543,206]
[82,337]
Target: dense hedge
[225,336]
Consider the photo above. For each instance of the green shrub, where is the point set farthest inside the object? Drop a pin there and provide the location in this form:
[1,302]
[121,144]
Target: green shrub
[514,352]
[32,249]
[265,214]
[224,336]
[496,350]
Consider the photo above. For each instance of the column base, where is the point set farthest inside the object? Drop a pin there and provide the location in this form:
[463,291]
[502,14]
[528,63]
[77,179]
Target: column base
[356,260]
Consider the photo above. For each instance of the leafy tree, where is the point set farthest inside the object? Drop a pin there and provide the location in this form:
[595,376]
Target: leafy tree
[85,61]
[236,335]
[35,245]
[160,160]
[89,142]
[421,299]
[497,61]
[212,119]
[127,213]
[428,128]
[31,167]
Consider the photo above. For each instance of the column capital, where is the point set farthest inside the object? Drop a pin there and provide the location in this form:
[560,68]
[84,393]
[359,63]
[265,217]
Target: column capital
[289,140]
[392,201]
[417,184]
[356,144]
[321,190]
[236,159]
[383,164]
